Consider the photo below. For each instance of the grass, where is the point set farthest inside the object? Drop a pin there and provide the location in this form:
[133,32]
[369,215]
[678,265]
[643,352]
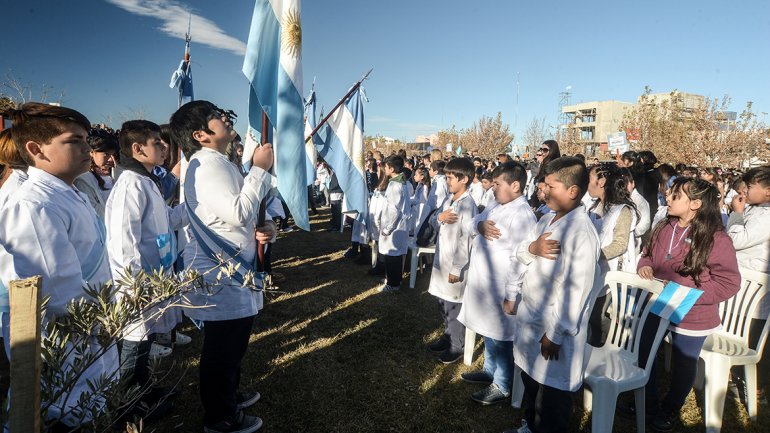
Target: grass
[331,354]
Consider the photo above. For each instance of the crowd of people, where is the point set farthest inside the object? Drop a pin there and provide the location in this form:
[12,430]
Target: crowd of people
[521,248]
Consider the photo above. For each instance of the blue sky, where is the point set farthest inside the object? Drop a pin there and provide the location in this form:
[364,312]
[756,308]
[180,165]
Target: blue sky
[436,63]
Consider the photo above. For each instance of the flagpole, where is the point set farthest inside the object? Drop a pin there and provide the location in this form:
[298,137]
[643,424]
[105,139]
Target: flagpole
[342,101]
[264,139]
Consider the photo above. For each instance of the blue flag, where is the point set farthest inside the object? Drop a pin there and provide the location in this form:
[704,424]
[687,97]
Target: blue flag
[182,79]
[342,148]
[273,66]
[675,301]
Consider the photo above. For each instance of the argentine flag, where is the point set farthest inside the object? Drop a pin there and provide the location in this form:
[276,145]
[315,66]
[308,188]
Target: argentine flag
[273,66]
[675,301]
[342,148]
[310,150]
[182,79]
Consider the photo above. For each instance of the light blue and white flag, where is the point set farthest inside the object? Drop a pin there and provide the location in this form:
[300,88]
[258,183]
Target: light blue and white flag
[310,149]
[273,66]
[182,79]
[342,147]
[675,301]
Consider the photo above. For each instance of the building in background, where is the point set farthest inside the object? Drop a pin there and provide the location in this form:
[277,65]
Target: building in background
[592,122]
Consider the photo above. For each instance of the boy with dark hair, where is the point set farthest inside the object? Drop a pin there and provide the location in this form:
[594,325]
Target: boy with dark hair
[438,188]
[450,263]
[49,229]
[497,233]
[394,231]
[222,206]
[140,229]
[561,257]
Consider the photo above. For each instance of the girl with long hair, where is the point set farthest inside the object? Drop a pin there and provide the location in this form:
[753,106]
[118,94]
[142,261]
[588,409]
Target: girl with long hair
[689,247]
[614,215]
[419,199]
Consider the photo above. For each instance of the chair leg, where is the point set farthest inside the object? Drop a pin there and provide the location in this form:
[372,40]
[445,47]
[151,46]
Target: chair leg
[413,268]
[716,373]
[517,389]
[640,409]
[470,342]
[375,253]
[751,391]
[603,415]
[588,399]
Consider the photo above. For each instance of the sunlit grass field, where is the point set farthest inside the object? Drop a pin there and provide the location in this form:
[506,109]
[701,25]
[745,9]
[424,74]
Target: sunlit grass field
[331,354]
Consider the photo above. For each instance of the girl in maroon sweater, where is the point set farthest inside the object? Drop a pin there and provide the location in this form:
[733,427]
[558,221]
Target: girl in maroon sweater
[689,247]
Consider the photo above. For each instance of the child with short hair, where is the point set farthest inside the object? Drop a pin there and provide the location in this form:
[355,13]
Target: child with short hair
[48,229]
[222,206]
[749,229]
[476,189]
[394,233]
[489,194]
[556,295]
[691,248]
[438,188]
[452,258]
[140,229]
[494,269]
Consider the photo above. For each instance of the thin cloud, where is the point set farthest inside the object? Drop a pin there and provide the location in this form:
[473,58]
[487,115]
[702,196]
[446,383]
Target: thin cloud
[175,15]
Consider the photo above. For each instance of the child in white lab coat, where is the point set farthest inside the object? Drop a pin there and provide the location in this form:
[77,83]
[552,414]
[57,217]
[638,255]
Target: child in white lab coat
[450,264]
[394,217]
[49,229]
[140,236]
[496,235]
[561,255]
[222,207]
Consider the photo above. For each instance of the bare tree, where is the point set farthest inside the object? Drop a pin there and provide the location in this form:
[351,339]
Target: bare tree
[19,92]
[535,134]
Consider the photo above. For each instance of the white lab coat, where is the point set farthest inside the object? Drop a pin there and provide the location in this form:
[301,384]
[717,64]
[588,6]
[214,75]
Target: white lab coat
[438,192]
[48,228]
[751,239]
[376,204]
[228,204]
[137,218]
[420,211]
[488,198]
[11,185]
[394,234]
[453,249]
[477,192]
[605,227]
[643,209]
[556,300]
[88,185]
[494,268]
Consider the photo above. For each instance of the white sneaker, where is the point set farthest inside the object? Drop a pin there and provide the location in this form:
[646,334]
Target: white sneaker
[158,351]
[524,428]
[182,339]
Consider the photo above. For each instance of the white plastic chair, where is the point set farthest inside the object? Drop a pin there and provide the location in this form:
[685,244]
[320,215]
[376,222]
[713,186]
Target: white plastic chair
[614,368]
[416,252]
[730,346]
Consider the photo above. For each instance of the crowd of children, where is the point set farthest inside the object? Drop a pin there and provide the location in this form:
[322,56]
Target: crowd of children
[521,251]
[528,275]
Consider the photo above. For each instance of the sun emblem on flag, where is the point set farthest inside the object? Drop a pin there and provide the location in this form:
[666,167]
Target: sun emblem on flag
[291,36]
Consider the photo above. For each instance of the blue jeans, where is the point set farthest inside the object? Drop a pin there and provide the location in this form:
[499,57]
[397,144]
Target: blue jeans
[684,365]
[498,362]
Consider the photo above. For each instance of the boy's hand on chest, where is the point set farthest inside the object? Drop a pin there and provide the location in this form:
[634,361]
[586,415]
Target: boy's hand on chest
[545,247]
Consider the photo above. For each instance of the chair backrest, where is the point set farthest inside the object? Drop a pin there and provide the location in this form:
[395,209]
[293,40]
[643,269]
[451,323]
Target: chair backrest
[737,311]
[632,299]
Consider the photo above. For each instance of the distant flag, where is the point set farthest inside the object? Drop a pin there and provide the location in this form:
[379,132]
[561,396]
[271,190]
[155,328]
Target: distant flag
[310,124]
[273,67]
[182,77]
[343,149]
[459,150]
[675,301]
